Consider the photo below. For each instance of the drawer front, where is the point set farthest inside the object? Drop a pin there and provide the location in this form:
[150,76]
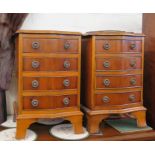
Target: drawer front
[49,102]
[50,45]
[117,98]
[118,46]
[133,46]
[115,81]
[118,63]
[49,83]
[50,64]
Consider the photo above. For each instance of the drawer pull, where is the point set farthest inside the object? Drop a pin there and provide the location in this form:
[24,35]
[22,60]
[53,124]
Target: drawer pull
[133,81]
[106,46]
[66,82]
[67,45]
[106,82]
[35,64]
[132,98]
[35,45]
[66,64]
[35,103]
[133,46]
[66,101]
[133,63]
[106,64]
[106,99]
[35,83]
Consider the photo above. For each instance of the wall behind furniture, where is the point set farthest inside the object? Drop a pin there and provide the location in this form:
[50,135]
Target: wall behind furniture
[76,22]
[84,22]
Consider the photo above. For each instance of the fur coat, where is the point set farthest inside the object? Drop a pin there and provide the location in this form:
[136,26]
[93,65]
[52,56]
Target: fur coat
[9,24]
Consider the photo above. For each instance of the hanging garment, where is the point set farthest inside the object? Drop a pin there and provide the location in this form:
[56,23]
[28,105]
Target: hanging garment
[3,113]
[9,24]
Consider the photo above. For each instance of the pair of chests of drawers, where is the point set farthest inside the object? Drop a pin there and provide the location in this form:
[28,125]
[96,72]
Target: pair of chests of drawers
[118,70]
[51,71]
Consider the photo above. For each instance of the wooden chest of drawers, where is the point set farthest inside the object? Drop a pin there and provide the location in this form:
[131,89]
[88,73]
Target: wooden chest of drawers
[112,76]
[49,66]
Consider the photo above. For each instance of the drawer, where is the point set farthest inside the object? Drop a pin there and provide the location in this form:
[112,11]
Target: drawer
[115,81]
[118,46]
[49,102]
[118,63]
[50,45]
[49,83]
[117,98]
[50,64]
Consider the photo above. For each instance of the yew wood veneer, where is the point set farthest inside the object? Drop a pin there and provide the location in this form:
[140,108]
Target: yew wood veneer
[112,76]
[49,69]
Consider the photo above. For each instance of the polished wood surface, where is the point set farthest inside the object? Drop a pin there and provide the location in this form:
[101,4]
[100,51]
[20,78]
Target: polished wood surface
[118,81]
[49,102]
[117,46]
[50,64]
[50,83]
[112,33]
[119,62]
[149,66]
[47,32]
[87,65]
[50,45]
[49,69]
[112,76]
[117,98]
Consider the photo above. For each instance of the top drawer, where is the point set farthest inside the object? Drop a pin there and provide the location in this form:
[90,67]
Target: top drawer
[118,46]
[50,45]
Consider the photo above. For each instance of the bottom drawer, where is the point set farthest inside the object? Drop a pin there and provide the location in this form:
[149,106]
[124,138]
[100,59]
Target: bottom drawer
[117,98]
[49,102]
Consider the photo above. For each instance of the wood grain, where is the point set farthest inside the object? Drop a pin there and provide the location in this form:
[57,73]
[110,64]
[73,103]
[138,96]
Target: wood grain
[117,46]
[45,60]
[110,60]
[118,63]
[50,64]
[50,83]
[118,81]
[49,102]
[117,98]
[50,45]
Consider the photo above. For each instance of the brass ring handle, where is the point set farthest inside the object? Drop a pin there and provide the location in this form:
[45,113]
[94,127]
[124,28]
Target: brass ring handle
[106,82]
[133,46]
[132,98]
[106,46]
[35,64]
[35,45]
[66,83]
[67,64]
[67,45]
[133,81]
[106,64]
[35,103]
[66,101]
[133,63]
[35,83]
[106,99]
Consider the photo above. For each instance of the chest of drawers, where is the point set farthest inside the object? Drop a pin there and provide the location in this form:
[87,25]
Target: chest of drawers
[112,76]
[49,66]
